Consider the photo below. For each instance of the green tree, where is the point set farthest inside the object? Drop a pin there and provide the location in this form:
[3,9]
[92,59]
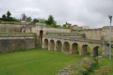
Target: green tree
[8,14]
[42,20]
[67,25]
[7,17]
[4,16]
[51,21]
[29,19]
[35,20]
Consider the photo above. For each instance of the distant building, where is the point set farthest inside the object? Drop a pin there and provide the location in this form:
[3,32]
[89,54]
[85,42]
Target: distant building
[76,27]
[85,27]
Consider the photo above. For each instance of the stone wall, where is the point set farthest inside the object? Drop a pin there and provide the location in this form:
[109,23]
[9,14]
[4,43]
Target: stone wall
[10,28]
[13,42]
[30,28]
[98,34]
[95,34]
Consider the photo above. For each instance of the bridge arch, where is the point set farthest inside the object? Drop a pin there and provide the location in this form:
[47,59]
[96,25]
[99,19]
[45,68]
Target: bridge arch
[75,48]
[66,47]
[59,45]
[46,43]
[52,45]
[95,51]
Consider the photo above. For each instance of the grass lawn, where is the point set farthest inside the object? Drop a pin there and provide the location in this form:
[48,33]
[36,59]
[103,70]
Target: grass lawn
[35,62]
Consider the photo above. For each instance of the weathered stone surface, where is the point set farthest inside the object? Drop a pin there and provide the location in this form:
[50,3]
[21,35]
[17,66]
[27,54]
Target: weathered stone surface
[15,42]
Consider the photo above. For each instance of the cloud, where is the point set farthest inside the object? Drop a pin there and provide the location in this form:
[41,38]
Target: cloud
[93,13]
[27,9]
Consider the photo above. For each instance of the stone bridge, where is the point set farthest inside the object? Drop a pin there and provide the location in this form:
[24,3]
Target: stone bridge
[74,45]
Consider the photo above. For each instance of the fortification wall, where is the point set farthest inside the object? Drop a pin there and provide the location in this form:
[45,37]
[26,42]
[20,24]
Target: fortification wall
[30,28]
[38,28]
[98,34]
[94,34]
[13,42]
[10,28]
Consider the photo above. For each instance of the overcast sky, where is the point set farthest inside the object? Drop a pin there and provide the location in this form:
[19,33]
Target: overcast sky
[93,13]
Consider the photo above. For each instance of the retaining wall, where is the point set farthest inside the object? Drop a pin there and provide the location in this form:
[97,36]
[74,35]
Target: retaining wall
[12,42]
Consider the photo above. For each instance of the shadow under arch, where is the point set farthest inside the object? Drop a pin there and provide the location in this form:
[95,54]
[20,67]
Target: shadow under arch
[46,43]
[75,48]
[66,47]
[52,44]
[95,51]
[84,50]
[59,46]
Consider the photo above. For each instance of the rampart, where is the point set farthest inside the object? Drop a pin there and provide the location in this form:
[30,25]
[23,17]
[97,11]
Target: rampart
[12,42]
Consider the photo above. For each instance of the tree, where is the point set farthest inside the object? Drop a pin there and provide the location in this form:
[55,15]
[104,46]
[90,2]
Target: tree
[7,17]
[8,14]
[51,21]
[4,16]
[35,20]
[42,20]
[29,19]
[67,25]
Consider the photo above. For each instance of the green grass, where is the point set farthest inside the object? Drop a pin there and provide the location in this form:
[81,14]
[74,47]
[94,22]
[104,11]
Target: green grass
[35,62]
[105,67]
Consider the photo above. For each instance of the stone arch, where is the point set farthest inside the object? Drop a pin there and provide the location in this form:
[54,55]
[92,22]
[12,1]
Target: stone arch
[41,33]
[59,46]
[95,51]
[52,44]
[66,47]
[46,43]
[84,49]
[75,48]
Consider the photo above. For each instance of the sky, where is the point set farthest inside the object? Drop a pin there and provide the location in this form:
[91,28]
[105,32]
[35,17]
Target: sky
[92,13]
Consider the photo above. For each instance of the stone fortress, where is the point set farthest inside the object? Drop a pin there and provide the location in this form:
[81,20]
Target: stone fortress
[95,40]
[87,41]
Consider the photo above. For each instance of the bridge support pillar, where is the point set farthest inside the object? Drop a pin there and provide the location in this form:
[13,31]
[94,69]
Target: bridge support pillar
[42,43]
[80,50]
[70,51]
[55,48]
[49,45]
[104,50]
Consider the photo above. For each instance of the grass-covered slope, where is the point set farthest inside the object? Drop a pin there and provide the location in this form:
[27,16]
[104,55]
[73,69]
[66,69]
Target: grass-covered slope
[35,62]
[105,67]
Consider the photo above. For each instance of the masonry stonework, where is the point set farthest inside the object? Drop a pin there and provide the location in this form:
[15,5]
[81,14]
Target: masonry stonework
[13,42]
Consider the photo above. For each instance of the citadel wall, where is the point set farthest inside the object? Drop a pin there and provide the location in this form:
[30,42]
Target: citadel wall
[98,34]
[12,42]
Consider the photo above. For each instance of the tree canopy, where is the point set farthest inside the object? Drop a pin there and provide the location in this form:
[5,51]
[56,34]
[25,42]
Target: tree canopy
[51,21]
[29,19]
[7,17]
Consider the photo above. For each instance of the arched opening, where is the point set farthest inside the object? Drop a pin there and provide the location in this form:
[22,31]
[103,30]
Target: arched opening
[84,50]
[75,48]
[52,44]
[66,47]
[95,51]
[46,43]
[41,33]
[59,46]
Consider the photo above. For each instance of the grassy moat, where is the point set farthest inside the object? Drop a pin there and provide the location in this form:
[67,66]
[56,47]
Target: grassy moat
[44,62]
[35,62]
